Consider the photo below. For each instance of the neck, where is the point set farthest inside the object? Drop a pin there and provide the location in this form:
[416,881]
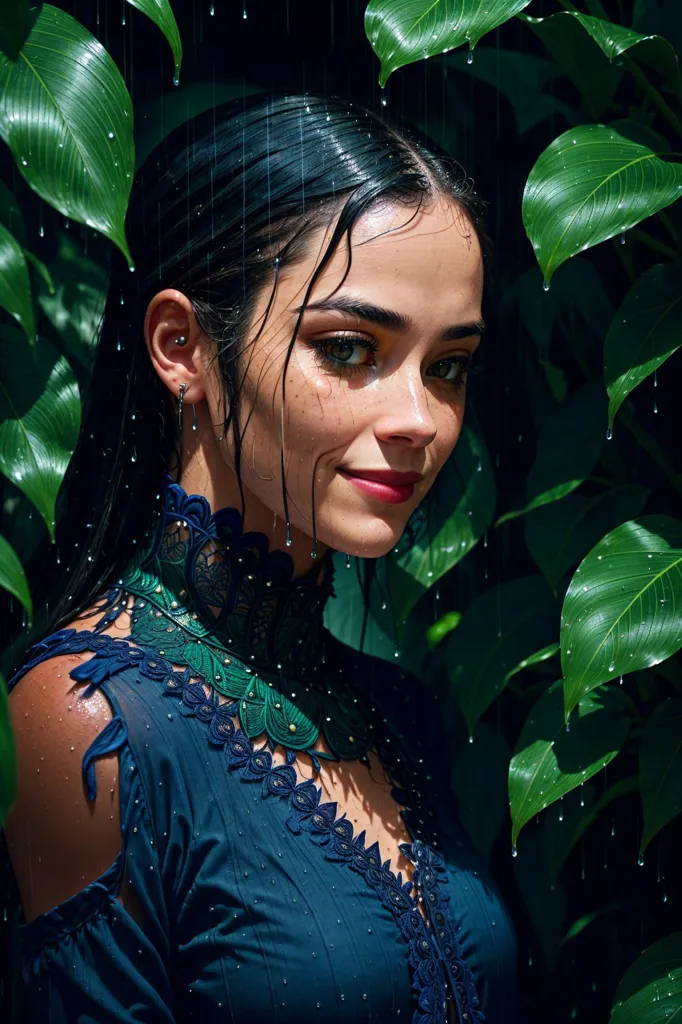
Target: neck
[205,472]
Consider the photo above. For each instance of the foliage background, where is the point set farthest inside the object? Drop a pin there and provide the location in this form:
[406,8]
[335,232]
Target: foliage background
[486,634]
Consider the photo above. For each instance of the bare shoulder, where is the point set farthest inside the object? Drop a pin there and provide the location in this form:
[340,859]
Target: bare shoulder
[58,840]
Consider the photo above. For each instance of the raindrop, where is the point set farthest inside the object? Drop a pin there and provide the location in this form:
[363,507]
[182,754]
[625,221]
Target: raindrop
[111,135]
[211,10]
[609,434]
[561,808]
[347,561]
[133,457]
[396,654]
[622,238]
[123,19]
[176,80]
[470,57]
[514,852]
[244,14]
[545,286]
[640,860]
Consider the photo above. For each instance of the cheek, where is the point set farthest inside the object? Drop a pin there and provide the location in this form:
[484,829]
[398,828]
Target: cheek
[448,417]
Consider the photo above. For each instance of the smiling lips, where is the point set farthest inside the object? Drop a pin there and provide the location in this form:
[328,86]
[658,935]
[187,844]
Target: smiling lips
[385,484]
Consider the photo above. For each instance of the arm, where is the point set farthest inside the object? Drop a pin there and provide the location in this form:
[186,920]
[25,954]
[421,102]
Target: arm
[90,949]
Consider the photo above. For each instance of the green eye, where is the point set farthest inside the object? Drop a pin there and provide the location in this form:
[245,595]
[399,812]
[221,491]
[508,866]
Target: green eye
[344,351]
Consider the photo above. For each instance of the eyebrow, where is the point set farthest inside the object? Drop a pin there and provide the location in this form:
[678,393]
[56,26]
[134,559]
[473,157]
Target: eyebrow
[389,318]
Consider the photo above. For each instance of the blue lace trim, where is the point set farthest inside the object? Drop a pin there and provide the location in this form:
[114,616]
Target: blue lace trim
[309,814]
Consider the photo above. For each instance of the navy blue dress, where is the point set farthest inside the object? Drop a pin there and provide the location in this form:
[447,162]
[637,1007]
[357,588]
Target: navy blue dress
[258,901]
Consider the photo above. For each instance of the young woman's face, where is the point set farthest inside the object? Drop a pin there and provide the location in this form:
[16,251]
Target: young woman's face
[375,387]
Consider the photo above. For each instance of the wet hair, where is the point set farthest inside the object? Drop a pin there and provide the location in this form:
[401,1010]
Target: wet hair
[218,209]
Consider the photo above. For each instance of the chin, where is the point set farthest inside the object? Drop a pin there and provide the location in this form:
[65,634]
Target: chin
[368,537]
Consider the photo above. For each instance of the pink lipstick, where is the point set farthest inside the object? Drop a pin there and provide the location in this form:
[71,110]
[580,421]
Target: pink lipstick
[387,485]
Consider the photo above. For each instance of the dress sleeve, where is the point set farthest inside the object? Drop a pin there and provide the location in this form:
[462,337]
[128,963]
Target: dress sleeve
[101,955]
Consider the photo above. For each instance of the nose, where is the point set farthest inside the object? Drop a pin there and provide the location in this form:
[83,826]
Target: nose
[406,417]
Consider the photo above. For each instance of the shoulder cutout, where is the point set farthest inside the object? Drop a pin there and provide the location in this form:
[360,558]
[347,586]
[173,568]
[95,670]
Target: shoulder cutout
[57,839]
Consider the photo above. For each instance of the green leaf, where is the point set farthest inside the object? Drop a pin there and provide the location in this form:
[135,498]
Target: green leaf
[440,629]
[576,303]
[161,14]
[568,448]
[537,658]
[456,513]
[500,628]
[39,419]
[41,269]
[406,31]
[580,827]
[660,768]
[580,58]
[13,577]
[156,118]
[651,990]
[549,761]
[645,332]
[8,767]
[15,26]
[615,39]
[67,117]
[15,284]
[560,535]
[520,77]
[589,185]
[478,777]
[622,610]
[77,305]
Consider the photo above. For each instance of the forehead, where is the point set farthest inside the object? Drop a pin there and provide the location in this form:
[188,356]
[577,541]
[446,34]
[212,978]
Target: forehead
[425,262]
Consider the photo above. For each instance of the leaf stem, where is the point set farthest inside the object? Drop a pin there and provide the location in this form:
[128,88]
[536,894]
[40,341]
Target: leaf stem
[652,93]
[653,243]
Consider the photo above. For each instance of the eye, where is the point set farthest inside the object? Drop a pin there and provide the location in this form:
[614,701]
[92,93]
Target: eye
[453,369]
[346,352]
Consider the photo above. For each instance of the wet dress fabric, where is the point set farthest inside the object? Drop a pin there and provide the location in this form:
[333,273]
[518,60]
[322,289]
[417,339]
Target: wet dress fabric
[257,900]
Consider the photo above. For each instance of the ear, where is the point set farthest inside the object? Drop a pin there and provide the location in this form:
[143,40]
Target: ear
[170,316]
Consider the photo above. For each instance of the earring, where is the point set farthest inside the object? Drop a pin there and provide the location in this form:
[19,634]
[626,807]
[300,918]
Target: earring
[181,397]
[194,420]
[181,340]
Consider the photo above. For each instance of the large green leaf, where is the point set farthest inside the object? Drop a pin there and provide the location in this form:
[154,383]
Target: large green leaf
[500,629]
[591,184]
[568,448]
[559,535]
[76,307]
[15,25]
[646,330]
[455,515]
[577,304]
[13,577]
[622,610]
[162,15]
[549,761]
[404,31]
[39,419]
[580,57]
[67,117]
[651,990]
[10,216]
[157,117]
[15,284]
[615,39]
[660,768]
[8,765]
[522,78]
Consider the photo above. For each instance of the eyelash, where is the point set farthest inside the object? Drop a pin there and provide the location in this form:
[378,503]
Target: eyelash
[466,363]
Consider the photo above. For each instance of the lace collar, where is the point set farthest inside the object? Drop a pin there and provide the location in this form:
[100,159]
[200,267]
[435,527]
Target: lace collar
[215,599]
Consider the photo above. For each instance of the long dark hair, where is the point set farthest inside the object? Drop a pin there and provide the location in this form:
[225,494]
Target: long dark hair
[225,202]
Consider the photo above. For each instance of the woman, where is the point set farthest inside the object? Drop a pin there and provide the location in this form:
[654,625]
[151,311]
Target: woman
[224,813]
